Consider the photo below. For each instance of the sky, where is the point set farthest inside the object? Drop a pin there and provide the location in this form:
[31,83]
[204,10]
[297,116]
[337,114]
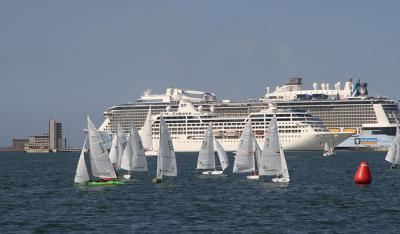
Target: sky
[69,59]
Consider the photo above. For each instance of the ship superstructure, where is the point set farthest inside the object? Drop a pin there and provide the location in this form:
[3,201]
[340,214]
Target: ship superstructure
[372,120]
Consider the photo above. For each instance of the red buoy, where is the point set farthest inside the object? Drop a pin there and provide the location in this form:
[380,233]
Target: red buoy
[363,175]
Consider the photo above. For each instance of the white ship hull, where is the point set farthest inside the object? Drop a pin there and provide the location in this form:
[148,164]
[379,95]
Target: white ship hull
[308,142]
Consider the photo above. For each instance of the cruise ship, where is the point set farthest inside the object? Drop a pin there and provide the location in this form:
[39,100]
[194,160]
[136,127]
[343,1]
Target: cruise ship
[348,109]
[372,120]
[298,130]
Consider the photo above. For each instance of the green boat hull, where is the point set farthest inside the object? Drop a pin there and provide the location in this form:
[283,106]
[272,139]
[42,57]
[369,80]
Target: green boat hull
[105,183]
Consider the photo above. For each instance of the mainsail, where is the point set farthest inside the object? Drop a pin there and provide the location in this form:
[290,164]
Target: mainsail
[166,161]
[284,172]
[82,175]
[244,160]
[139,161]
[223,158]
[120,153]
[126,160]
[121,136]
[147,136]
[270,162]
[257,151]
[100,162]
[206,159]
[114,150]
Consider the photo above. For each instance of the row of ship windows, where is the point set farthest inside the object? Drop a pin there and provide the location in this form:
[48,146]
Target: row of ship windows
[202,132]
[288,137]
[155,128]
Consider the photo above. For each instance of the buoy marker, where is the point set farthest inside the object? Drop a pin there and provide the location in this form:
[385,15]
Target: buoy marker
[363,174]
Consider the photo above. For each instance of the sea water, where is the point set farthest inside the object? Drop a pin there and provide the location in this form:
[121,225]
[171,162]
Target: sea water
[38,195]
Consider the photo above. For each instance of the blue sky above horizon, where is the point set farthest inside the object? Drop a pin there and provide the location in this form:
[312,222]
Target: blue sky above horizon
[72,58]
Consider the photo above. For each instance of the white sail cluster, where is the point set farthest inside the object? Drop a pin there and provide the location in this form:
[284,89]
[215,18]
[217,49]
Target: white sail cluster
[270,161]
[127,154]
[133,157]
[100,162]
[206,159]
[99,159]
[104,164]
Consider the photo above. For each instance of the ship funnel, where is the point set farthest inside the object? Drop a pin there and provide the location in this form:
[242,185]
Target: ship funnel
[327,86]
[323,86]
[315,86]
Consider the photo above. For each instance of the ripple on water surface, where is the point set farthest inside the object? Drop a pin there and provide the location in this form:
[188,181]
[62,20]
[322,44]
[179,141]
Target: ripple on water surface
[38,195]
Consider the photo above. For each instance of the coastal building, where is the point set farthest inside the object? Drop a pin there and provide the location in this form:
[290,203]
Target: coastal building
[48,142]
[55,135]
[17,145]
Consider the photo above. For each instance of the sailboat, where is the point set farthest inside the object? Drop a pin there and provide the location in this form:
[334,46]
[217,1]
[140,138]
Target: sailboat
[206,159]
[273,161]
[121,136]
[133,158]
[328,150]
[122,140]
[166,160]
[116,152]
[258,155]
[393,154]
[244,159]
[147,135]
[99,161]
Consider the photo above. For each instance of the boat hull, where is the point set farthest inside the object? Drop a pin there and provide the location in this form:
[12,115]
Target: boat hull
[281,180]
[104,183]
[253,177]
[212,172]
[312,141]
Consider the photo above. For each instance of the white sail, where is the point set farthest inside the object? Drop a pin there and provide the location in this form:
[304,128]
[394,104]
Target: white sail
[114,150]
[270,162]
[257,151]
[107,139]
[82,175]
[100,162]
[127,155]
[326,147]
[120,151]
[223,157]
[147,136]
[284,171]
[244,159]
[393,155]
[121,136]
[166,161]
[139,160]
[206,159]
